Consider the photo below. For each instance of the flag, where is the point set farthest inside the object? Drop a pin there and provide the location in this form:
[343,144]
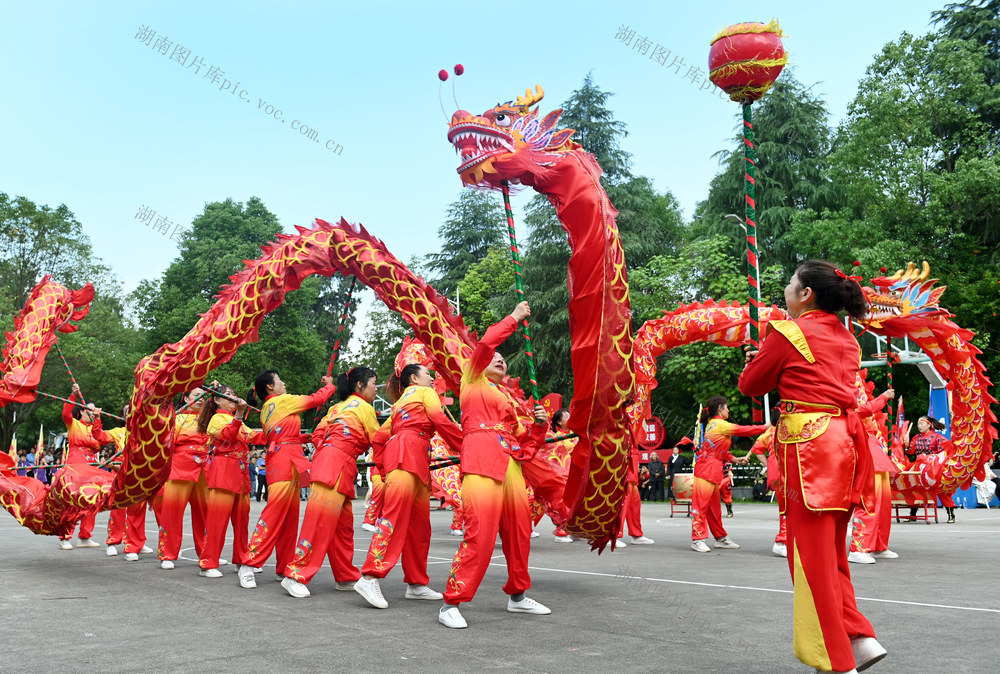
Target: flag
[13,448]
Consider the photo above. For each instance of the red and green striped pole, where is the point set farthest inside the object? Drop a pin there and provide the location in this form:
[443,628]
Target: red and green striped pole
[753,271]
[71,377]
[83,405]
[340,328]
[519,284]
[888,417]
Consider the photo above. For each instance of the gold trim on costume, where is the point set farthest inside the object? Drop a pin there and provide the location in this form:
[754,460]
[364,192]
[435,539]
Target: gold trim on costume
[793,333]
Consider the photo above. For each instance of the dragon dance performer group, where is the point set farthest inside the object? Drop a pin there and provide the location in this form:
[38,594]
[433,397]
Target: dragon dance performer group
[825,462]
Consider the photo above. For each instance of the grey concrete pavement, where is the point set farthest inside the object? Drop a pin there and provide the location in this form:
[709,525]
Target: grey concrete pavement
[659,608]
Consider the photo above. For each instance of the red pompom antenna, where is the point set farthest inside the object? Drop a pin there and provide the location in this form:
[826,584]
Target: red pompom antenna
[857,264]
[443,75]
[459,69]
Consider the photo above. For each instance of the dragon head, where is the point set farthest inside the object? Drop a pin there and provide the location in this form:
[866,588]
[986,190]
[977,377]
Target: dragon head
[507,131]
[908,292]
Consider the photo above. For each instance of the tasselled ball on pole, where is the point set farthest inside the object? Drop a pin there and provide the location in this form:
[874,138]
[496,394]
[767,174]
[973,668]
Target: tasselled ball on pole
[746,59]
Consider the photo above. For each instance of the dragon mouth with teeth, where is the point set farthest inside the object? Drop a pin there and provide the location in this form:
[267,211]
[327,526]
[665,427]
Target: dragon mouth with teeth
[477,143]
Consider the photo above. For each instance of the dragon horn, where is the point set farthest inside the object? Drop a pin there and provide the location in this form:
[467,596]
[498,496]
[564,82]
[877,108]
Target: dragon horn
[529,98]
[925,271]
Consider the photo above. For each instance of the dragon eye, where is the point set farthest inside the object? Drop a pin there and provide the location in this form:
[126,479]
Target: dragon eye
[502,120]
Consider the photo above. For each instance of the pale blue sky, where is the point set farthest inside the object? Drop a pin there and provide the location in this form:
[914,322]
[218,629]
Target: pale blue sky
[95,119]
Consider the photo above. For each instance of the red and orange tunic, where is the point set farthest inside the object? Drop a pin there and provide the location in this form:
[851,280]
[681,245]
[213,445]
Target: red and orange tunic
[765,447]
[814,361]
[344,434]
[415,417]
[379,439]
[283,432]
[714,450]
[229,441]
[190,449]
[84,440]
[492,432]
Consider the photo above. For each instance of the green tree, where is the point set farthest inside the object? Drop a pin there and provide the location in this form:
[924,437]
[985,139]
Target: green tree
[486,289]
[475,225]
[792,142]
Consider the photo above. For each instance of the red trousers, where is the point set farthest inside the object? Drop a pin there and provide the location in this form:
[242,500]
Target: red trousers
[225,506]
[375,501]
[870,533]
[946,500]
[630,512]
[327,531]
[87,523]
[826,613]
[492,507]
[170,515]
[457,518]
[403,529]
[278,525]
[130,524]
[706,511]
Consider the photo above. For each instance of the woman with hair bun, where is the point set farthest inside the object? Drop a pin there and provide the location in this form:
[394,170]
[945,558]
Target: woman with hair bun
[404,527]
[279,521]
[344,434]
[826,467]
[706,512]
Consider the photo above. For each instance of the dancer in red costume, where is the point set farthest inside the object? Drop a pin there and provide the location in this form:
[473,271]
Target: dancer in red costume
[826,467]
[560,452]
[765,452]
[185,484]
[404,527]
[279,521]
[128,524]
[926,444]
[85,437]
[870,532]
[706,513]
[631,508]
[344,434]
[493,490]
[228,481]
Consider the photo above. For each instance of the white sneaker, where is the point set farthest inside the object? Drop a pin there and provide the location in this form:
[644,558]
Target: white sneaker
[222,562]
[885,554]
[345,586]
[368,527]
[112,551]
[527,605]
[534,534]
[64,544]
[131,557]
[620,543]
[295,588]
[145,550]
[860,558]
[867,651]
[257,569]
[278,577]
[642,540]
[246,577]
[563,539]
[422,592]
[210,573]
[370,590]
[779,550]
[726,544]
[167,564]
[87,543]
[700,546]
[451,617]
[457,532]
